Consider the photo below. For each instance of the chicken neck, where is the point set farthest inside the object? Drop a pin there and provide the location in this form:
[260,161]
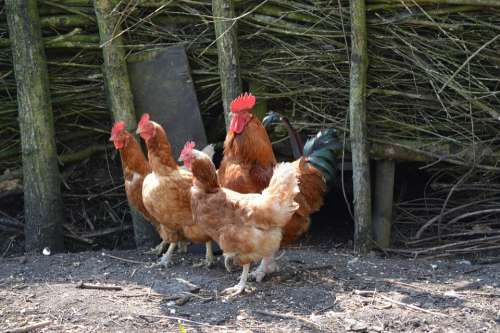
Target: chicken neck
[133,158]
[160,151]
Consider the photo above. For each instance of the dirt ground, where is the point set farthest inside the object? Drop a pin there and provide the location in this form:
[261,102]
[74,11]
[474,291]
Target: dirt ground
[316,290]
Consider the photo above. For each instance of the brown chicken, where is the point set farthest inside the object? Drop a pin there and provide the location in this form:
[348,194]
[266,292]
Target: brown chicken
[249,159]
[166,191]
[135,168]
[247,227]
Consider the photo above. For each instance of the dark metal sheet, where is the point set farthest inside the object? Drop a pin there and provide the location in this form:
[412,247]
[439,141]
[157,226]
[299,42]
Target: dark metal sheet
[162,86]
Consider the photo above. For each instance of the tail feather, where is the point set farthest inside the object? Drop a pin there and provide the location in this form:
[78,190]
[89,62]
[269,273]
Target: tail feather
[281,192]
[320,152]
[209,150]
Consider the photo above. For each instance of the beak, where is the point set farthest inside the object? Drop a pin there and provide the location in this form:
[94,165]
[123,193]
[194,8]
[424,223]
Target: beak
[138,130]
[271,118]
[111,139]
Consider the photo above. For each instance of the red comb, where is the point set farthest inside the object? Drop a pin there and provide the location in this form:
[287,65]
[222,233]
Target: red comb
[117,128]
[243,102]
[188,147]
[144,120]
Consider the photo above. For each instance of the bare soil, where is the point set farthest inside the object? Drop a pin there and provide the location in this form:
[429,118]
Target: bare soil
[316,290]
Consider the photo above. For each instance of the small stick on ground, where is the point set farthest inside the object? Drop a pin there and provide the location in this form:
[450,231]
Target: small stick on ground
[326,308]
[193,288]
[410,306]
[123,259]
[183,300]
[364,293]
[28,328]
[81,285]
[165,297]
[478,293]
[368,293]
[197,296]
[408,285]
[188,321]
[287,316]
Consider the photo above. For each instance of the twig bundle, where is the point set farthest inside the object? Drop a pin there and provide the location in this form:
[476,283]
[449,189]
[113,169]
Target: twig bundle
[432,87]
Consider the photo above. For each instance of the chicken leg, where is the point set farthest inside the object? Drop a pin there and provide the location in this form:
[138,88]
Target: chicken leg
[165,259]
[227,261]
[209,256]
[240,287]
[267,265]
[183,246]
[158,249]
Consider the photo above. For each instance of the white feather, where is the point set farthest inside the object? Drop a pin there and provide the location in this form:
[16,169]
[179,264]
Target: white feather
[281,192]
[209,150]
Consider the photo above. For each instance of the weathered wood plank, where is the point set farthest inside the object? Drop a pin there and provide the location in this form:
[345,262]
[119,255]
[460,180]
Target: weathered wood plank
[383,202]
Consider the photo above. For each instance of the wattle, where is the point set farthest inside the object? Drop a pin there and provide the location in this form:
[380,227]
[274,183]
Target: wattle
[238,124]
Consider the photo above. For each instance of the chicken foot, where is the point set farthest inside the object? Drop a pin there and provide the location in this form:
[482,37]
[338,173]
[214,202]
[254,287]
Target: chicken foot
[240,287]
[209,256]
[165,259]
[267,265]
[158,249]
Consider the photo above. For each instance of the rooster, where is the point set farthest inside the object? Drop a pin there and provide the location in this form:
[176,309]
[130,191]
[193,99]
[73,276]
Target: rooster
[247,227]
[166,191]
[249,160]
[135,168]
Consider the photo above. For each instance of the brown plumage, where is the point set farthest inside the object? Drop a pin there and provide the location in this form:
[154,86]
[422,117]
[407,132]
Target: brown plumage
[247,167]
[247,227]
[310,199]
[135,168]
[248,160]
[166,190]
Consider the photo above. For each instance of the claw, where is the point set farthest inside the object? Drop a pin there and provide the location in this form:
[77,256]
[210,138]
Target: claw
[267,266]
[258,275]
[209,260]
[167,257]
[233,291]
[240,287]
[158,249]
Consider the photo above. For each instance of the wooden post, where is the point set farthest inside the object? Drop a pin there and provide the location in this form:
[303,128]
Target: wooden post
[382,202]
[358,129]
[227,50]
[43,206]
[119,95]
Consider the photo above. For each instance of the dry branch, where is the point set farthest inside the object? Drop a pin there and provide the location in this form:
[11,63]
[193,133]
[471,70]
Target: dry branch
[299,54]
[29,328]
[81,285]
